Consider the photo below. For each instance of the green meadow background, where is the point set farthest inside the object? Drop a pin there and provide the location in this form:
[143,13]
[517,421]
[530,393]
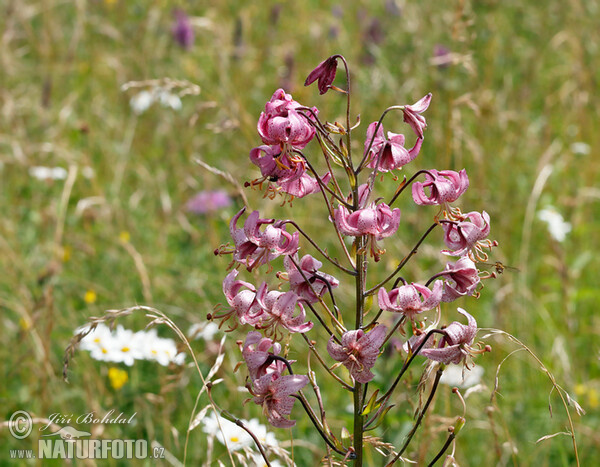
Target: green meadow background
[517,107]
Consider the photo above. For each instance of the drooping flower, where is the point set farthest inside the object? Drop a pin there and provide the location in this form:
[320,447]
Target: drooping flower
[460,279]
[454,346]
[324,73]
[444,187]
[317,281]
[463,236]
[257,356]
[182,30]
[273,391]
[280,124]
[412,115]
[244,303]
[358,351]
[389,154]
[279,310]
[303,185]
[376,221]
[254,247]
[208,201]
[411,299]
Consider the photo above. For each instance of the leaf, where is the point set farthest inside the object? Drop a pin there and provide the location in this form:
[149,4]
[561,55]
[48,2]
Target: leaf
[372,404]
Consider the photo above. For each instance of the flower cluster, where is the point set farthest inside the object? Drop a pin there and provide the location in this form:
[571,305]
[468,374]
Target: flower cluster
[277,312]
[126,346]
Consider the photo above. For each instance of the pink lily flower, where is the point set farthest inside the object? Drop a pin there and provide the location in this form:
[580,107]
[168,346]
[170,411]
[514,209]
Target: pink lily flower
[244,303]
[455,344]
[389,154]
[411,299]
[280,124]
[445,187]
[303,185]
[257,356]
[317,280]
[273,392]
[377,220]
[288,172]
[325,73]
[461,279]
[279,308]
[358,351]
[412,115]
[461,237]
[254,247]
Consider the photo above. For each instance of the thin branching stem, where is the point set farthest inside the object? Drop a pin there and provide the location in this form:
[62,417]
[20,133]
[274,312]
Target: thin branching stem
[436,381]
[393,330]
[407,183]
[325,366]
[333,261]
[348,94]
[325,187]
[372,290]
[315,421]
[324,149]
[445,447]
[379,123]
[331,315]
[241,424]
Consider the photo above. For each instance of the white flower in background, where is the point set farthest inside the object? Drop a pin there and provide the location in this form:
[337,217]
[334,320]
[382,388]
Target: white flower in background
[100,336]
[144,99]
[204,331]
[163,350]
[579,147]
[125,346]
[557,226]
[258,461]
[48,173]
[169,100]
[88,172]
[457,376]
[237,438]
[141,102]
[265,437]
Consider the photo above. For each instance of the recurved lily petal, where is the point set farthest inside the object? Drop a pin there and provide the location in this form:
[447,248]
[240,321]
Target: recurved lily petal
[461,237]
[316,282]
[256,355]
[411,299]
[281,125]
[455,346]
[461,279]
[273,392]
[412,115]
[444,187]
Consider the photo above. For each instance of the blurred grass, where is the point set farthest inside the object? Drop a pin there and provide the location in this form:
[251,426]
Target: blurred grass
[523,90]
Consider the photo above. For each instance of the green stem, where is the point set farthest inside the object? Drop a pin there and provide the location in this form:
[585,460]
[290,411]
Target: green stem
[438,375]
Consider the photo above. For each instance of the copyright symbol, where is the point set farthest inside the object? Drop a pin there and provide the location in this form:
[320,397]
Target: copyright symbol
[20,424]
